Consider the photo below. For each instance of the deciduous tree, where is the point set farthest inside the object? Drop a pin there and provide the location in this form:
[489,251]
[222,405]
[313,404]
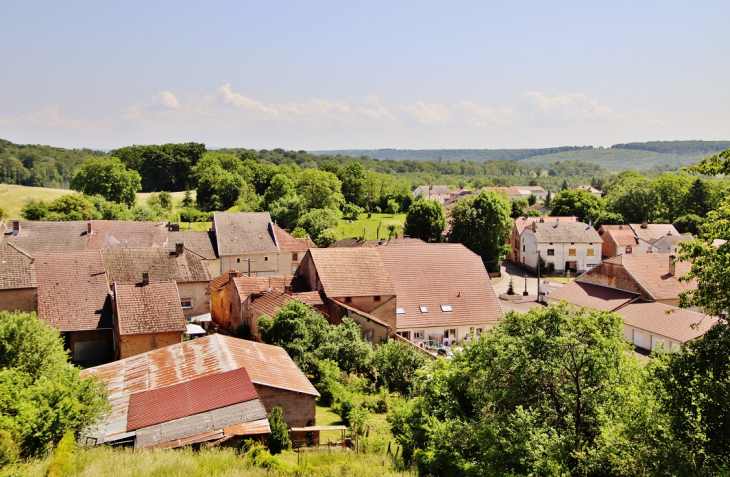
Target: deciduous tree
[425,220]
[109,178]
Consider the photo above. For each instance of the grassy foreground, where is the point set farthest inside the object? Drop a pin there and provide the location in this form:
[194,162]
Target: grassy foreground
[370,226]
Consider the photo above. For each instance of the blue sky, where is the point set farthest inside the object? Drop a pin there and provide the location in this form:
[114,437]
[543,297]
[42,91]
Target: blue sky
[330,75]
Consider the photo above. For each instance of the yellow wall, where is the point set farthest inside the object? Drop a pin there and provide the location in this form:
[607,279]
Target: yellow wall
[131,345]
[197,291]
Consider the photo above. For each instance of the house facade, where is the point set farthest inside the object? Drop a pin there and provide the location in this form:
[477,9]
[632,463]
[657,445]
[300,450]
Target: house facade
[621,239]
[433,192]
[520,224]
[565,246]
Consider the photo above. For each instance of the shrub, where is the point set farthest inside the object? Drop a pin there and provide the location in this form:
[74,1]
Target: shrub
[328,380]
[299,233]
[326,238]
[64,459]
[9,450]
[344,403]
[383,402]
[260,457]
[358,418]
[279,438]
[393,207]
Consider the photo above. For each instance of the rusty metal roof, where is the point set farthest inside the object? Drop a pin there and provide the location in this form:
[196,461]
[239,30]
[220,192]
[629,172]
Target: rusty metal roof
[193,397]
[266,365]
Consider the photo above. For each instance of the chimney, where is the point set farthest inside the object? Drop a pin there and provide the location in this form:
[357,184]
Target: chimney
[16,226]
[542,220]
[672,266]
[525,218]
[645,224]
[145,278]
[590,223]
[557,222]
[620,227]
[534,226]
[179,248]
[287,289]
[88,228]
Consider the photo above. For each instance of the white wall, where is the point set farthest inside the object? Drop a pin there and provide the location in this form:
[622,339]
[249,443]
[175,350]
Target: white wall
[647,340]
[461,332]
[561,252]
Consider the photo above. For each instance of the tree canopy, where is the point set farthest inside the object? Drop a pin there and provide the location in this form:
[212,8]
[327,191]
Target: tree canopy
[579,203]
[425,220]
[109,178]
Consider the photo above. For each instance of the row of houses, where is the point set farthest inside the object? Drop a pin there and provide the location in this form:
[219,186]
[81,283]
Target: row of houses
[447,196]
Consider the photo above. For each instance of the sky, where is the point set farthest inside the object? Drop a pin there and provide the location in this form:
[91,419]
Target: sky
[321,75]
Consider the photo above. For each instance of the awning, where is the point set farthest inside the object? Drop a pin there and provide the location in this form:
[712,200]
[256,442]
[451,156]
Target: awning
[200,318]
[194,330]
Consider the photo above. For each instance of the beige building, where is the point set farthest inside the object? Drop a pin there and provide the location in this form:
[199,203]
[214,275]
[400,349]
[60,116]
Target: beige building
[433,192]
[565,246]
[520,224]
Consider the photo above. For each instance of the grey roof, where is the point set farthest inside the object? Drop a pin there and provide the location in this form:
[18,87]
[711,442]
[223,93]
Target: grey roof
[565,232]
[36,236]
[202,243]
[240,233]
[674,239]
[437,189]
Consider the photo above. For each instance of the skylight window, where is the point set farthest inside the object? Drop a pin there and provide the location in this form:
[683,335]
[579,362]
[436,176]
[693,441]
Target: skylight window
[400,311]
[423,309]
[446,308]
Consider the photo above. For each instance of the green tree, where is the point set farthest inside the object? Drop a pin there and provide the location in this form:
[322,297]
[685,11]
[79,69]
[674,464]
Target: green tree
[163,167]
[482,223]
[326,238]
[689,224]
[279,438]
[287,211]
[351,211]
[532,200]
[425,220]
[393,207]
[41,395]
[316,221]
[396,364]
[518,207]
[109,178]
[187,199]
[319,190]
[699,198]
[564,186]
[353,183]
[219,188]
[281,186]
[671,196]
[165,199]
[548,198]
[579,203]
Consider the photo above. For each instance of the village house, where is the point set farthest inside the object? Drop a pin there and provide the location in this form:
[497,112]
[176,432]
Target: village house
[653,232]
[208,380]
[74,298]
[670,243]
[18,285]
[565,246]
[621,239]
[511,193]
[520,224]
[440,193]
[250,242]
[188,269]
[655,276]
[591,189]
[443,292]
[147,316]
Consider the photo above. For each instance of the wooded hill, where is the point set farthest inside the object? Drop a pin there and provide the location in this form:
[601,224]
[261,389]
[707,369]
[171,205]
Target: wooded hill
[636,156]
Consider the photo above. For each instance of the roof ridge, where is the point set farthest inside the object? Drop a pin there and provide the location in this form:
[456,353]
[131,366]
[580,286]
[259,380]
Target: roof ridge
[20,250]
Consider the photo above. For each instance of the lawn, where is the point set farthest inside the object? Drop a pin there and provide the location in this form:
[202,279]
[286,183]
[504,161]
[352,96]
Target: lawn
[369,227]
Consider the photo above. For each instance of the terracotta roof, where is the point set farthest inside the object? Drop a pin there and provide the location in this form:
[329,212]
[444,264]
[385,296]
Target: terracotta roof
[622,234]
[461,191]
[352,242]
[16,268]
[509,191]
[588,188]
[126,265]
[287,243]
[270,302]
[155,406]
[364,314]
[653,231]
[651,271]
[672,322]
[250,285]
[179,363]
[593,296]
[433,275]
[48,237]
[126,234]
[565,232]
[356,271]
[73,293]
[152,308]
[240,233]
[522,223]
[221,281]
[312,298]
[437,189]
[202,243]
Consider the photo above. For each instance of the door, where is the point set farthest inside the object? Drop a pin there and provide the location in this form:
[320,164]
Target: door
[639,339]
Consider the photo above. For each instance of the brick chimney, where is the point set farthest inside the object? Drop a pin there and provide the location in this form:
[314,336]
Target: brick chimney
[232,274]
[145,278]
[645,224]
[179,247]
[287,289]
[16,226]
[88,228]
[672,266]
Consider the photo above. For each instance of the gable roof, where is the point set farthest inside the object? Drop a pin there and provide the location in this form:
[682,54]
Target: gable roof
[251,285]
[288,243]
[623,235]
[509,191]
[202,243]
[270,302]
[432,275]
[675,239]
[48,237]
[565,232]
[672,322]
[126,265]
[151,308]
[266,365]
[653,231]
[364,314]
[222,280]
[127,234]
[73,294]
[437,189]
[522,223]
[240,233]
[596,297]
[16,268]
[353,242]
[357,271]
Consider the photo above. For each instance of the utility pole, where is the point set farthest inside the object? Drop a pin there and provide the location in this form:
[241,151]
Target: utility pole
[538,276]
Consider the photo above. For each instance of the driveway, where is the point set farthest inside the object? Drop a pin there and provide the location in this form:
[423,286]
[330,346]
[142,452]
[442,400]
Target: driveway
[517,274]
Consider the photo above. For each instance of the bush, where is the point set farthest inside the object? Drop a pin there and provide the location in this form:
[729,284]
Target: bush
[358,418]
[260,457]
[9,450]
[328,383]
[279,438]
[326,238]
[299,233]
[344,403]
[393,207]
[64,459]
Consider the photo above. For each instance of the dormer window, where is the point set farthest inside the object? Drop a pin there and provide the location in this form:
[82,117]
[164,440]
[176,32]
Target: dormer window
[423,309]
[400,310]
[446,308]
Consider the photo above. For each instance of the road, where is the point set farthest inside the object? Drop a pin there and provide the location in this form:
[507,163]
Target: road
[517,274]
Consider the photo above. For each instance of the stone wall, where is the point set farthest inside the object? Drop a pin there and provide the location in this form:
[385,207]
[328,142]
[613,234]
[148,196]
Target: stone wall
[299,409]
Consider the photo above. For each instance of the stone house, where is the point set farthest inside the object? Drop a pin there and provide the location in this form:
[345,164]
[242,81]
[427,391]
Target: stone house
[440,193]
[565,246]
[520,224]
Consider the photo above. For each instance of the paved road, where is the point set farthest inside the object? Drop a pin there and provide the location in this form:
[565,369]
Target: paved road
[517,274]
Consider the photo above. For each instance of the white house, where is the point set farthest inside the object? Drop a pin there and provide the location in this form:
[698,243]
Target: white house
[670,243]
[573,246]
[440,193]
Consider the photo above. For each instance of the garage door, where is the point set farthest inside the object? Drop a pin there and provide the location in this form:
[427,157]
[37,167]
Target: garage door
[656,342]
[639,339]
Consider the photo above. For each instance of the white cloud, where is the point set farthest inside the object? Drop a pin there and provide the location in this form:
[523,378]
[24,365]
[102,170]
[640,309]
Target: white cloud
[434,114]
[51,116]
[484,116]
[377,112]
[567,107]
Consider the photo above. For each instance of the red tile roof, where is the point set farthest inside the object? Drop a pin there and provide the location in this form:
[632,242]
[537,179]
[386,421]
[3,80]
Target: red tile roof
[593,296]
[266,366]
[651,271]
[623,235]
[126,265]
[240,233]
[16,268]
[352,242]
[356,271]
[653,231]
[152,308]
[432,275]
[287,243]
[310,298]
[202,243]
[271,302]
[155,406]
[221,281]
[672,322]
[249,285]
[73,294]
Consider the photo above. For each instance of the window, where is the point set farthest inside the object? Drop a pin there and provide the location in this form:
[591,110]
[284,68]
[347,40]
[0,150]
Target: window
[400,310]
[367,335]
[376,298]
[446,308]
[589,252]
[418,335]
[572,243]
[404,334]
[551,251]
[523,247]
[266,259]
[479,331]
[238,260]
[423,309]
[348,299]
[294,267]
[186,302]
[294,257]
[551,243]
[450,334]
[446,334]
[629,249]
[571,251]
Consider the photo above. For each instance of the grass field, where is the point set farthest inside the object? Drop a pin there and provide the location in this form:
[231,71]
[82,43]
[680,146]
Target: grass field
[370,226]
